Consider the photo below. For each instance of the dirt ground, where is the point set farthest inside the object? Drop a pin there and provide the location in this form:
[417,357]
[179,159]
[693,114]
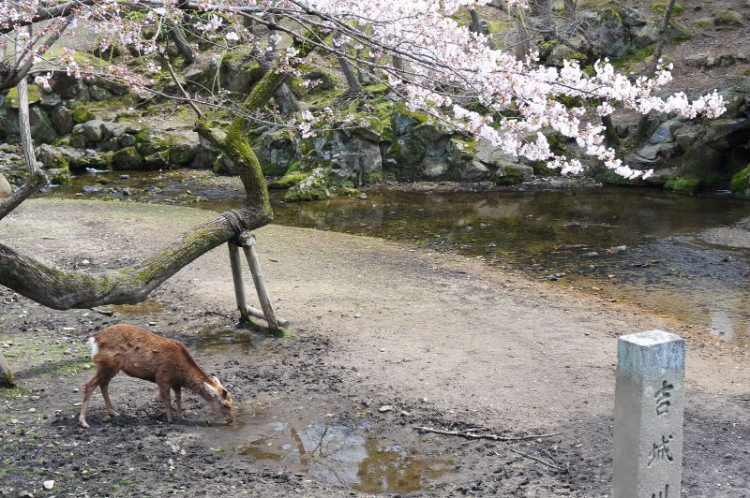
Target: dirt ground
[383,339]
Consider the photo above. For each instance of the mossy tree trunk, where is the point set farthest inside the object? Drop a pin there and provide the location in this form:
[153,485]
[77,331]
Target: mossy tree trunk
[66,290]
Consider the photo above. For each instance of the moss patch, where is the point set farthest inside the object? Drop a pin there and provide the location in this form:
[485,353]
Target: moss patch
[289,181]
[660,7]
[685,184]
[740,184]
[35,95]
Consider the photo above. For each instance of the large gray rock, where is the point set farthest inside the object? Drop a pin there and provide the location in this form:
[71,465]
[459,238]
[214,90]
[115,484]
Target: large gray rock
[5,188]
[607,34]
[181,154]
[50,100]
[277,151]
[511,174]
[701,158]
[98,93]
[686,137]
[118,129]
[357,162]
[494,156]
[665,131]
[69,158]
[62,119]
[435,169]
[653,153]
[475,171]
[241,76]
[725,134]
[42,130]
[646,35]
[94,130]
[127,158]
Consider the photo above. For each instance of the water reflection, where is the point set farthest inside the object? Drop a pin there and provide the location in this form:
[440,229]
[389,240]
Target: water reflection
[336,454]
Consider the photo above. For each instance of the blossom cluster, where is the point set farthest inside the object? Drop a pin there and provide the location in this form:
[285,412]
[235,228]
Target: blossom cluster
[444,64]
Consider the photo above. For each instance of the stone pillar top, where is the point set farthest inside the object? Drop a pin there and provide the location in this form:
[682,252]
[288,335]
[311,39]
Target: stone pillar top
[641,357]
[651,337]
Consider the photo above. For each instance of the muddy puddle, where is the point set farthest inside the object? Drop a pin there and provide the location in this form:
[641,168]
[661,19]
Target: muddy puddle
[224,341]
[323,451]
[635,245]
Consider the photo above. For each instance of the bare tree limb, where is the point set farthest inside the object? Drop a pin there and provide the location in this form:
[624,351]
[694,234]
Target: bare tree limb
[474,435]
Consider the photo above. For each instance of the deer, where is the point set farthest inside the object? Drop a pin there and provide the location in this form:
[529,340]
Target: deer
[145,355]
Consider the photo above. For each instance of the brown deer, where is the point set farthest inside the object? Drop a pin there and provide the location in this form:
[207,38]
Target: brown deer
[147,356]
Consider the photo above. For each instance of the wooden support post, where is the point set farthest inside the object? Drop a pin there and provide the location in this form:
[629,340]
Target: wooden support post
[6,375]
[248,245]
[239,286]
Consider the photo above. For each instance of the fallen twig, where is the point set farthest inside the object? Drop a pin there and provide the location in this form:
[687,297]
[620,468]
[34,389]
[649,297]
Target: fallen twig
[531,457]
[492,437]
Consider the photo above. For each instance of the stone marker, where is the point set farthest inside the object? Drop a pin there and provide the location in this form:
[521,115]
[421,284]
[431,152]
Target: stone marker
[649,405]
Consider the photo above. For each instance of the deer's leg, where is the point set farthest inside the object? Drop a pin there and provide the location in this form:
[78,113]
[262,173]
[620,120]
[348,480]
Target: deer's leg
[105,394]
[165,396]
[101,375]
[178,399]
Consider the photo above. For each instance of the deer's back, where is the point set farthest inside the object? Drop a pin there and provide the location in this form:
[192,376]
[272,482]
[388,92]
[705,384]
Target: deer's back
[142,354]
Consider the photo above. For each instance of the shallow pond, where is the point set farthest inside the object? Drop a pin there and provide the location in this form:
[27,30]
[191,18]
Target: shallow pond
[638,245]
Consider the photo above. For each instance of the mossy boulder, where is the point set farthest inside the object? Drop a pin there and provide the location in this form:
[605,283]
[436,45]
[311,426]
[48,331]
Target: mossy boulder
[700,158]
[312,188]
[513,174]
[684,183]
[181,154]
[288,181]
[62,119]
[69,158]
[740,184]
[607,33]
[729,19]
[99,94]
[474,171]
[35,95]
[81,114]
[561,53]
[59,176]
[126,159]
[42,130]
[276,151]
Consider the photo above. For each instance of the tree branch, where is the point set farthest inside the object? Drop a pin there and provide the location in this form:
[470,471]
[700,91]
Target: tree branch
[65,290]
[37,179]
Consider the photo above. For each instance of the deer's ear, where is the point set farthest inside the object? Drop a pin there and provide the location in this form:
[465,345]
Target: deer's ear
[211,389]
[216,381]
